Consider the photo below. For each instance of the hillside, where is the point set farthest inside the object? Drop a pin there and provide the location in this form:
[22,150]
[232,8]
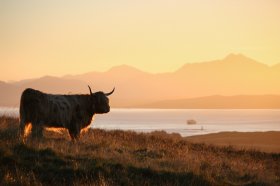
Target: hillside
[220,102]
[128,158]
[233,75]
[264,141]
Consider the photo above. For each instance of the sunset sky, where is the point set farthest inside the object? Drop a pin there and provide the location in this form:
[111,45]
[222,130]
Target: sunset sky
[57,37]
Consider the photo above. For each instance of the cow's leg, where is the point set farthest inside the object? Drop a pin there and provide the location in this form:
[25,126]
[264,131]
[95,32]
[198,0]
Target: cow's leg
[74,134]
[77,136]
[71,135]
[36,131]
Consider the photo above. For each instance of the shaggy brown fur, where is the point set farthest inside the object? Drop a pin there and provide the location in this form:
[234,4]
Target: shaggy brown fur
[73,112]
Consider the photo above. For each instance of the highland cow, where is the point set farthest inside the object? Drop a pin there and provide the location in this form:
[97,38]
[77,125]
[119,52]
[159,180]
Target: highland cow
[72,112]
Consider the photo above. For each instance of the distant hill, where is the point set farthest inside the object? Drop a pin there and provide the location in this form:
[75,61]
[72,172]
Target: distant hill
[9,94]
[54,85]
[220,102]
[233,75]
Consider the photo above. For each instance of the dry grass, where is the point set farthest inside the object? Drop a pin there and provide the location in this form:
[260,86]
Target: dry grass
[128,158]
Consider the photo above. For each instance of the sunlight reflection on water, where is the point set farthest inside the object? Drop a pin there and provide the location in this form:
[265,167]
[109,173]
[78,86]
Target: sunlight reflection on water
[175,120]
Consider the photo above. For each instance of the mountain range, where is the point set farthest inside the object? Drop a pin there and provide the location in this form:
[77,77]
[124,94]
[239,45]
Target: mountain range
[228,82]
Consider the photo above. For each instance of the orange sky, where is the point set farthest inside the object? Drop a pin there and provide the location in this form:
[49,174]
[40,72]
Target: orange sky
[59,37]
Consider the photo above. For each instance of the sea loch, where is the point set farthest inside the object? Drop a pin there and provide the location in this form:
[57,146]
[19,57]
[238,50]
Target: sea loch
[175,120]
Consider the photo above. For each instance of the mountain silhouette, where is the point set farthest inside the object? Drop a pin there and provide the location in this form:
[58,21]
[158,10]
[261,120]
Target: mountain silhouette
[236,74]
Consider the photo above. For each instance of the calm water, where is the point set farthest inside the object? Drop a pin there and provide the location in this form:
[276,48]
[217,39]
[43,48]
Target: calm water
[172,120]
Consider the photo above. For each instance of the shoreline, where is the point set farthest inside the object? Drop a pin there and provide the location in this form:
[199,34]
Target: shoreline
[261,141]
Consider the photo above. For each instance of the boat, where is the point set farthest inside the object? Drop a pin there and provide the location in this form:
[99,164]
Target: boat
[191,122]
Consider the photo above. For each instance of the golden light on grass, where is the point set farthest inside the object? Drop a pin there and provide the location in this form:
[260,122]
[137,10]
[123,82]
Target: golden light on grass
[63,130]
[56,130]
[126,158]
[85,130]
[27,129]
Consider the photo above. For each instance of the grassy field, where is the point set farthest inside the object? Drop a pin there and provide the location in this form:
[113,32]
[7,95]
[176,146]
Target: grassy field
[128,158]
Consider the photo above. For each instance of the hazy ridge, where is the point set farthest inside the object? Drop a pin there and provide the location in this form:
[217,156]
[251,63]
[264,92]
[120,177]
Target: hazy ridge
[191,86]
[220,102]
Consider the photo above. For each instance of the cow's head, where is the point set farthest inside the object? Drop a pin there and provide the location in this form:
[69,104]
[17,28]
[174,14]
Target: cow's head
[100,101]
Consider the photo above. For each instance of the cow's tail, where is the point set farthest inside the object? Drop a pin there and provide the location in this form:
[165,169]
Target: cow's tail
[22,117]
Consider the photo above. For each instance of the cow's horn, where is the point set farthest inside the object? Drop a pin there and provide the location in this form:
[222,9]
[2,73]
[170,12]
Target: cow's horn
[90,90]
[108,94]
